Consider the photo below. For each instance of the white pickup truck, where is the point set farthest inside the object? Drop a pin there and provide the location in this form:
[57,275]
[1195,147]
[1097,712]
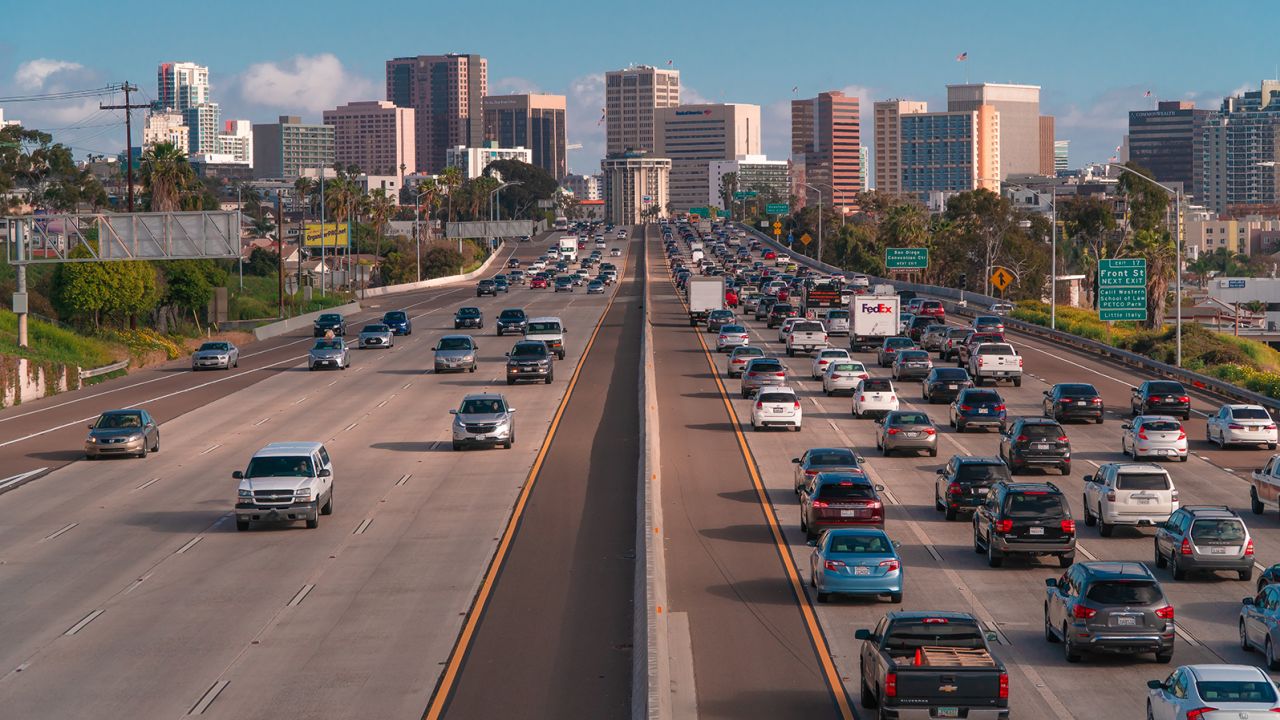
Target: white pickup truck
[995,362]
[806,336]
[1139,494]
[1264,490]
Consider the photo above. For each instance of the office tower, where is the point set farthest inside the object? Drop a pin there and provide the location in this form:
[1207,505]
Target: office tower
[473,160]
[181,85]
[691,136]
[445,93]
[1046,145]
[956,151]
[631,98]
[771,179]
[826,133]
[1163,141]
[165,127]
[375,136]
[636,187]
[1019,109]
[533,121]
[1061,149]
[888,141]
[1238,154]
[290,147]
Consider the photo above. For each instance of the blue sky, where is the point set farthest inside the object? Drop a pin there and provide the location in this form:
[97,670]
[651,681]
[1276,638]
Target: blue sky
[1093,60]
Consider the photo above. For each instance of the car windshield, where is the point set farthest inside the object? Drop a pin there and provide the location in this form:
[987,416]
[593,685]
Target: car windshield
[995,349]
[543,327]
[224,347]
[1142,481]
[375,329]
[512,315]
[913,355]
[950,374]
[910,635]
[877,385]
[328,345]
[1241,691]
[1162,425]
[837,314]
[1225,530]
[112,421]
[280,466]
[529,350]
[782,307]
[1042,431]
[908,418]
[1034,504]
[828,458]
[481,406]
[899,343]
[877,544]
[958,332]
[982,472]
[729,329]
[834,354]
[771,366]
[1247,414]
[981,396]
[1077,390]
[776,397]
[845,491]
[454,343]
[469,312]
[1124,592]
[930,304]
[721,313]
[748,351]
[329,317]
[846,367]
[1165,388]
[395,316]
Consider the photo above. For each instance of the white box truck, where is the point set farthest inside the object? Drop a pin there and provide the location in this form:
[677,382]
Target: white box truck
[569,248]
[875,317]
[705,294]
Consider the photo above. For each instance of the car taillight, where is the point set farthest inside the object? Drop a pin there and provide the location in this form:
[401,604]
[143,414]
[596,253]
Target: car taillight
[1000,408]
[751,374]
[1248,548]
[1019,362]
[930,431]
[1004,686]
[1096,401]
[797,404]
[981,361]
[889,565]
[1186,547]
[1004,526]
[1184,399]
[1234,426]
[1069,526]
[1142,433]
[1081,612]
[1182,434]
[955,489]
[1063,439]
[1165,613]
[1022,438]
[966,408]
[891,685]
[833,564]
[1199,713]
[759,405]
[820,503]
[862,398]
[893,431]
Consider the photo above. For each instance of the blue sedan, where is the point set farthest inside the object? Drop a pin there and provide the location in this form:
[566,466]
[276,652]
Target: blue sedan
[856,561]
[398,321]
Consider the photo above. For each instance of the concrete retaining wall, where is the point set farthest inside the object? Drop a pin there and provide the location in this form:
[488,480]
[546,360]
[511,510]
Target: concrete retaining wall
[22,380]
[301,321]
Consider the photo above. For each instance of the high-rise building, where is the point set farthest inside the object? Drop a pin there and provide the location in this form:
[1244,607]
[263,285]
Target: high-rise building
[945,152]
[636,187]
[1046,145]
[6,123]
[826,132]
[289,148]
[375,135]
[181,85]
[1163,141]
[445,93]
[473,160]
[864,166]
[888,141]
[583,187]
[1238,153]
[1019,108]
[770,178]
[165,127]
[631,97]
[236,140]
[533,121]
[691,136]
[203,122]
[1061,150]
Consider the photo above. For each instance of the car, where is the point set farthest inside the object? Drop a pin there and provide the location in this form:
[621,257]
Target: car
[780,311]
[988,324]
[918,324]
[538,282]
[1072,401]
[776,407]
[501,284]
[513,263]
[595,287]
[1000,308]
[824,358]
[977,407]
[530,360]
[564,283]
[718,318]
[615,252]
[961,485]
[484,420]
[455,353]
[839,499]
[730,337]
[486,287]
[785,328]
[906,430]
[1259,624]
[904,321]
[1035,442]
[1270,576]
[216,354]
[399,322]
[1030,519]
[843,375]
[1134,494]
[738,358]
[517,277]
[1160,397]
[510,320]
[931,308]
[285,482]
[549,330]
[1204,538]
[911,363]
[823,459]
[329,323]
[932,336]
[468,317]
[1157,436]
[951,338]
[1241,425]
[1111,607]
[874,397]
[859,562]
[328,354]
[376,335]
[1213,691]
[122,432]
[888,349]
[836,320]
[762,372]
[763,307]
[943,384]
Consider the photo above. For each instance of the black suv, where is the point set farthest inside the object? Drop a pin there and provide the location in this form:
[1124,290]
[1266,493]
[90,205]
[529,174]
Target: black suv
[1070,401]
[468,317]
[530,360]
[962,485]
[779,312]
[511,320]
[329,322]
[1033,441]
[1024,519]
[486,287]
[1160,397]
[1116,607]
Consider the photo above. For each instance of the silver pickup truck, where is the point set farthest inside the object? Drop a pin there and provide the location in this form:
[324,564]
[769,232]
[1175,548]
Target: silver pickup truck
[806,336]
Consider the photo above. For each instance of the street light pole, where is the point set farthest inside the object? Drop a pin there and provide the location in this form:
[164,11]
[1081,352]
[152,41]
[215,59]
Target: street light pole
[811,187]
[1177,300]
[417,230]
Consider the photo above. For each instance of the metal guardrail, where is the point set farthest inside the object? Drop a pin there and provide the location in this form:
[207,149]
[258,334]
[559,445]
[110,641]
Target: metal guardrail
[95,372]
[1124,357]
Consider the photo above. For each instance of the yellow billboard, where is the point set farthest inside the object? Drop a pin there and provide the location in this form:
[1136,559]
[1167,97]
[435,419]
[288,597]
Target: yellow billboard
[330,235]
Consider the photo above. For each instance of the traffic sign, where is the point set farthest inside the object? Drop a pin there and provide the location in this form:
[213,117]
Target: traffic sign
[701,211]
[791,238]
[777,225]
[777,208]
[906,258]
[1122,289]
[806,239]
[744,194]
[1002,279]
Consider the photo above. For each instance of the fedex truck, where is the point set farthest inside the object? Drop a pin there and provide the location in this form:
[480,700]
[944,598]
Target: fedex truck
[569,248]
[875,317]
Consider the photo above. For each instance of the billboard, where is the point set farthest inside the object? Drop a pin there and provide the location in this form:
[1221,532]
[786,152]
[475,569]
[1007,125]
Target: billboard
[330,235]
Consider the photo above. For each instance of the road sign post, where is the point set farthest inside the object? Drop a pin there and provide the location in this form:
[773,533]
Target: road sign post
[906,258]
[1122,289]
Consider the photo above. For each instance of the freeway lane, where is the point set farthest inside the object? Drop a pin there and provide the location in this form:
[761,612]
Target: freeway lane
[557,628]
[753,655]
[353,619]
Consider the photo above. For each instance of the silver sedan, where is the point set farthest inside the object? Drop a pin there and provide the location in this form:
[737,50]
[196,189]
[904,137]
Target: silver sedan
[218,354]
[455,353]
[1228,691]
[906,430]
[376,336]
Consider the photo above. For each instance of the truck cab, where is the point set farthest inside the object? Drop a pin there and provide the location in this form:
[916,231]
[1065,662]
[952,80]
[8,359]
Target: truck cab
[285,481]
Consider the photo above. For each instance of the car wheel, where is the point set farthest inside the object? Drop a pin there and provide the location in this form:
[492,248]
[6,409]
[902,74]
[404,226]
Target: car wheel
[824,597]
[145,449]
[950,513]
[1159,559]
[511,381]
[1017,382]
[1048,629]
[1100,419]
[1065,561]
[895,598]
[993,558]
[960,426]
[1178,572]
[1068,651]
[457,446]
[1105,528]
[1244,638]
[933,452]
[550,379]
[242,525]
[328,506]
[1272,663]
[1089,518]
[156,448]
[1254,503]
[867,699]
[1164,658]
[1247,574]
[937,502]
[313,523]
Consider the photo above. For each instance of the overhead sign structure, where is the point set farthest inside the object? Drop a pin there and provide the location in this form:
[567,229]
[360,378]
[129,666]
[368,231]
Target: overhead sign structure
[329,235]
[1001,279]
[1122,289]
[91,237]
[906,258]
[777,208]
[806,239]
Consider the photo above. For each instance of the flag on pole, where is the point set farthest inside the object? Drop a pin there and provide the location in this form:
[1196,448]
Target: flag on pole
[669,62]
[962,57]
[1147,94]
[601,120]
[794,88]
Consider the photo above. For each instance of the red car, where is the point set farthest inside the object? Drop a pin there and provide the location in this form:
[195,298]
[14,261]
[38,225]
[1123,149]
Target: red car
[770,255]
[932,308]
[538,281]
[731,298]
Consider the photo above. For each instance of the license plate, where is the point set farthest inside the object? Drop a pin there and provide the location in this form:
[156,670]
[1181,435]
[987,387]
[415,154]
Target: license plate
[1035,531]
[1218,551]
[982,411]
[777,410]
[953,387]
[862,570]
[1043,446]
[849,513]
[913,434]
[1167,452]
[1081,402]
[947,712]
[1145,501]
[1126,621]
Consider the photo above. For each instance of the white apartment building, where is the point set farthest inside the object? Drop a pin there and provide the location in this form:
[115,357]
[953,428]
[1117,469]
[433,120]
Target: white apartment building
[770,178]
[473,160]
[165,127]
[236,140]
[636,187]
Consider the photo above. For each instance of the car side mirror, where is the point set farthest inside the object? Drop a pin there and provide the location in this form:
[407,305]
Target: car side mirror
[325,472]
[860,459]
[1046,393]
[795,461]
[453,411]
[940,471]
[992,636]
[1246,601]
[237,475]
[879,488]
[90,426]
[1088,478]
[507,354]
[862,634]
[1051,582]
[1126,426]
[1155,684]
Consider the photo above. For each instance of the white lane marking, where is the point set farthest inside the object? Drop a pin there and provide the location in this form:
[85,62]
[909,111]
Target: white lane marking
[85,621]
[263,420]
[134,585]
[15,479]
[301,595]
[404,479]
[1186,637]
[362,526]
[384,402]
[190,544]
[59,532]
[300,400]
[350,426]
[211,449]
[406,386]
[209,696]
[1083,551]
[335,382]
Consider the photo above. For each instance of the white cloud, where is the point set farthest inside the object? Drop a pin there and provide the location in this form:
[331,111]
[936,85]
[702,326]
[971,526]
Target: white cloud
[32,74]
[513,86]
[585,104]
[304,82]
[689,95]
[775,129]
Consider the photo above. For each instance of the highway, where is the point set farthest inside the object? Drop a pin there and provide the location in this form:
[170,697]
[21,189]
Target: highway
[128,592]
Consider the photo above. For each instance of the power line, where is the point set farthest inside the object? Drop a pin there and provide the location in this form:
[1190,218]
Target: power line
[66,95]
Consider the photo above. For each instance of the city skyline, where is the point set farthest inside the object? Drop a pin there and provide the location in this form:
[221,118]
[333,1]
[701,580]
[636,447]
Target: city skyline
[1089,79]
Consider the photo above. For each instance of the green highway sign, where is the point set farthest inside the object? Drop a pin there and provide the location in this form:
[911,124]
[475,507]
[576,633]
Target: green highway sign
[906,258]
[700,211]
[777,208]
[1122,289]
[744,194]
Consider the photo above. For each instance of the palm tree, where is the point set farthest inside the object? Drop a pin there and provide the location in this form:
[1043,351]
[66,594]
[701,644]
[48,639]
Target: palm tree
[303,186]
[451,178]
[429,193]
[165,175]
[380,208]
[480,189]
[1162,258]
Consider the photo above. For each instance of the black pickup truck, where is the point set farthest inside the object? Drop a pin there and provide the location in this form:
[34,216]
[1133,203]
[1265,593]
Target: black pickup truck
[932,665]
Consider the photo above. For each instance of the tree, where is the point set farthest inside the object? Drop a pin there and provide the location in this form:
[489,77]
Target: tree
[166,175]
[535,184]
[429,193]
[189,285]
[262,262]
[1161,256]
[381,207]
[440,260]
[451,178]
[98,291]
[33,168]
[1089,225]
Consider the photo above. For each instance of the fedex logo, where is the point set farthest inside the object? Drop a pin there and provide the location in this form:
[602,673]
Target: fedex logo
[877,308]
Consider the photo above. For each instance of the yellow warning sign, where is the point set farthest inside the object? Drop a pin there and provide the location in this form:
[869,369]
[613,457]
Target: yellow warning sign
[1002,279]
[806,239]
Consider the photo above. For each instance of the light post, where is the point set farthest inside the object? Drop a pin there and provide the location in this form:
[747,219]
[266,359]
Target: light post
[240,232]
[811,187]
[1177,205]
[495,211]
[1053,259]
[417,229]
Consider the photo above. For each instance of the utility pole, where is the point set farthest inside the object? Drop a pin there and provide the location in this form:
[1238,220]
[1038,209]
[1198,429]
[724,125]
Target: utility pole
[280,251]
[128,132]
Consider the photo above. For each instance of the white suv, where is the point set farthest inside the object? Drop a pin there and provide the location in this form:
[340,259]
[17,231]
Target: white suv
[285,481]
[776,407]
[1139,494]
[550,331]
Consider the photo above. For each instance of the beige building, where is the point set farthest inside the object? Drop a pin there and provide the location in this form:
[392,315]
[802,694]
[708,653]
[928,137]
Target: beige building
[692,136]
[533,121]
[445,92]
[375,136]
[888,141]
[631,97]
[949,152]
[1245,236]
[1019,108]
[165,127]
[1047,146]
[826,135]
[636,187]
